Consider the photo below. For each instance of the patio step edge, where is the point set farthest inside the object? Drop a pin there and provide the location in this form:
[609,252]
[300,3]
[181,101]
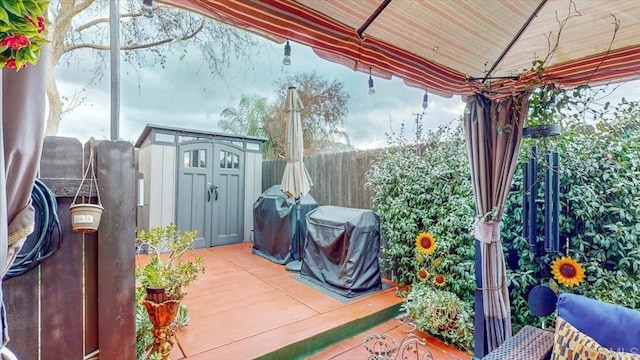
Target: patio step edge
[304,348]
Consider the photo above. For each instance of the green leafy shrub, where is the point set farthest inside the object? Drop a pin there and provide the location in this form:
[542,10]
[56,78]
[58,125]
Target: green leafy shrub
[169,271]
[429,190]
[600,206]
[426,189]
[166,268]
[442,313]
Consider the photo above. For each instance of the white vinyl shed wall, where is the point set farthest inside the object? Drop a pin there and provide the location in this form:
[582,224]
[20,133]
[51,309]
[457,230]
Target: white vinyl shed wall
[253,189]
[157,162]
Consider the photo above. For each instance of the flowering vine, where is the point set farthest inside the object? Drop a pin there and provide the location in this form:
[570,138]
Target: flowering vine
[23,31]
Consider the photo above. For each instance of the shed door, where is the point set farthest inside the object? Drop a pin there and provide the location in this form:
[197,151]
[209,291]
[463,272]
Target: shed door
[228,195]
[194,196]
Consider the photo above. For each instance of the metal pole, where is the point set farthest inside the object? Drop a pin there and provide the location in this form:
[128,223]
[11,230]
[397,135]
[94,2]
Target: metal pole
[114,37]
[556,200]
[526,184]
[533,196]
[548,205]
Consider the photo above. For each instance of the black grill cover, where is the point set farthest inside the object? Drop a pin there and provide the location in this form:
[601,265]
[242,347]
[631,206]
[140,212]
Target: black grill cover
[341,251]
[276,233]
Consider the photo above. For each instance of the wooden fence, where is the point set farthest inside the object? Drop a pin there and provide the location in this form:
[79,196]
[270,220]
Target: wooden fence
[338,178]
[79,303]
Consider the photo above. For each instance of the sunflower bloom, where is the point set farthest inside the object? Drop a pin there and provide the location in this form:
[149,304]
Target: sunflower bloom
[425,243]
[567,271]
[423,275]
[440,280]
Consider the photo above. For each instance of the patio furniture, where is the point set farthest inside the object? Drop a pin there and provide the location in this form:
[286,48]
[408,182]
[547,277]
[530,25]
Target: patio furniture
[276,230]
[596,326]
[341,250]
[530,343]
[584,327]
[385,347]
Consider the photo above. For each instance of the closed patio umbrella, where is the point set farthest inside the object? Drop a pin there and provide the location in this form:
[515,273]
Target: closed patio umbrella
[296,181]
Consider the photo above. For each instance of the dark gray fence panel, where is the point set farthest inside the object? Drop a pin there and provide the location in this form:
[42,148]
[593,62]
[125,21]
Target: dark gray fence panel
[87,276]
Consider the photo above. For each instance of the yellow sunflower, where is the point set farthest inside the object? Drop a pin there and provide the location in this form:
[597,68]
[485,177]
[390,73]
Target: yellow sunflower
[439,280]
[423,275]
[567,271]
[425,243]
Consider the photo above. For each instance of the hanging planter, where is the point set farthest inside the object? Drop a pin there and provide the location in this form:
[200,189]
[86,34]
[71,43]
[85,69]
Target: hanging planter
[85,216]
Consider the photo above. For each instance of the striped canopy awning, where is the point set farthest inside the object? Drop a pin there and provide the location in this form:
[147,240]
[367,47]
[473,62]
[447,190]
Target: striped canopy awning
[450,46]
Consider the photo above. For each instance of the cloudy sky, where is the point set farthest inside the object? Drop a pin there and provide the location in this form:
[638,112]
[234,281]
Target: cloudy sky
[184,94]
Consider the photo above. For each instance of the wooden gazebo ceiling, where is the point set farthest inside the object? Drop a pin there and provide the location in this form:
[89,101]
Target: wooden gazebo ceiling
[451,46]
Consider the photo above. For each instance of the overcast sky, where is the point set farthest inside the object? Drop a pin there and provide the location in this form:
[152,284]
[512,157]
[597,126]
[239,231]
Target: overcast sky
[184,94]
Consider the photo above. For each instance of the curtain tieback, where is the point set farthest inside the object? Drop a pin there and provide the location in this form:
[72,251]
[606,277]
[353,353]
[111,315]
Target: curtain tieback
[487,231]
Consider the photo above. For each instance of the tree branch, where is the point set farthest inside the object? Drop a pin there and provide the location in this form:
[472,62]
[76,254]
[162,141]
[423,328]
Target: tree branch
[107,47]
[104,20]
[81,6]
[195,32]
[137,46]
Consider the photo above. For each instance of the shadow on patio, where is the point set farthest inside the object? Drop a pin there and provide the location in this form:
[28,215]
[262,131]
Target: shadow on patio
[246,307]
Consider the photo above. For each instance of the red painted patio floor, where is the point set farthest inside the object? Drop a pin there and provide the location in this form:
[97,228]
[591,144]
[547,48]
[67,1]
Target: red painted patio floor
[245,307]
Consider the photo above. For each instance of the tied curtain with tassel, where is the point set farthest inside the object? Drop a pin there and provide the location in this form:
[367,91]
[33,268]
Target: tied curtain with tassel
[493,131]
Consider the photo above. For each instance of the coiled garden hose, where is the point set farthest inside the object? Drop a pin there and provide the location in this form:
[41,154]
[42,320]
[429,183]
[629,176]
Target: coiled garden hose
[43,242]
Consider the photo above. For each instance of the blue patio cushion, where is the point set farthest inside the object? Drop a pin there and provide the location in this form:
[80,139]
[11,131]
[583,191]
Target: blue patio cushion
[613,326]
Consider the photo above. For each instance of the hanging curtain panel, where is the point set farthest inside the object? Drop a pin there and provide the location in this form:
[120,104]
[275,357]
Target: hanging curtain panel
[493,130]
[22,132]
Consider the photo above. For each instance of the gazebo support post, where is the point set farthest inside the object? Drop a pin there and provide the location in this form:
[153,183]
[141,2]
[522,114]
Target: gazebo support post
[479,326]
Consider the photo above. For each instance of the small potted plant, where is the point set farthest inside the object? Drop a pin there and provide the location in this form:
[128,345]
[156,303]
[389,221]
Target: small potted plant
[165,275]
[167,271]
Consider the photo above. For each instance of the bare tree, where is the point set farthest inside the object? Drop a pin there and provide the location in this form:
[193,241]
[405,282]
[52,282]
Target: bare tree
[78,25]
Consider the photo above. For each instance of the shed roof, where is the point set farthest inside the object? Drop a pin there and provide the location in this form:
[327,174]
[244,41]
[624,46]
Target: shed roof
[146,132]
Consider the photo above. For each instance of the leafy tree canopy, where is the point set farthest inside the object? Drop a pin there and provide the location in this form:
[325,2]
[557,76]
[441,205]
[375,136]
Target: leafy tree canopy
[325,108]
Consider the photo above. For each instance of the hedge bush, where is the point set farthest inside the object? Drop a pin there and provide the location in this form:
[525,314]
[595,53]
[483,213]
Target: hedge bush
[428,189]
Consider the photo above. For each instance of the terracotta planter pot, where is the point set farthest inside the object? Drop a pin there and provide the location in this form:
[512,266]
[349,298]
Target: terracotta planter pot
[164,330]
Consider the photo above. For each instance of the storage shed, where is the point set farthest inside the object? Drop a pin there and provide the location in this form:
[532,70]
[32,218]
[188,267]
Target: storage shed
[201,180]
